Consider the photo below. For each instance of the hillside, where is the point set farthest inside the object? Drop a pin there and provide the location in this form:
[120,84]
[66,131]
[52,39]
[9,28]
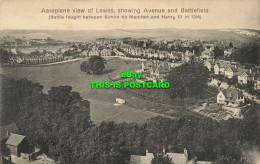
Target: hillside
[234,35]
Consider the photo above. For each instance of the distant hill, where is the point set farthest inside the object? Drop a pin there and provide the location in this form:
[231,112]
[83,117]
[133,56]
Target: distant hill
[234,35]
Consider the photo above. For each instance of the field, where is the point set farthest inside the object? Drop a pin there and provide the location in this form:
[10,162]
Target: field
[102,100]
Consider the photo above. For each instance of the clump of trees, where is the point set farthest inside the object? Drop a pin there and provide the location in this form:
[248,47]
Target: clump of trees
[218,52]
[188,80]
[95,65]
[5,55]
[247,54]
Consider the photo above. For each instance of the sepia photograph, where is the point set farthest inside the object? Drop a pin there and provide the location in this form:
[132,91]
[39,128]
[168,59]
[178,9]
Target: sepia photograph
[129,82]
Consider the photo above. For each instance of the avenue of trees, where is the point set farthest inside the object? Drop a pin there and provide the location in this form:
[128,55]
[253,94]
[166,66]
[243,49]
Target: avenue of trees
[59,123]
[94,65]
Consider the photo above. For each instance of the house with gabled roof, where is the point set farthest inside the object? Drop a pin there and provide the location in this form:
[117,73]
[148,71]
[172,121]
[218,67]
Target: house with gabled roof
[207,54]
[245,76]
[15,144]
[209,64]
[220,67]
[138,159]
[230,95]
[177,158]
[231,72]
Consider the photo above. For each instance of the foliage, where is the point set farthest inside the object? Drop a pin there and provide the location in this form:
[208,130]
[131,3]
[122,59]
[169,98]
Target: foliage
[161,159]
[59,122]
[95,65]
[218,52]
[198,49]
[248,54]
[5,55]
[187,80]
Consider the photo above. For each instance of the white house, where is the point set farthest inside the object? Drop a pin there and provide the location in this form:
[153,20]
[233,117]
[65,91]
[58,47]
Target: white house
[230,95]
[207,54]
[231,72]
[209,64]
[245,76]
[177,158]
[220,67]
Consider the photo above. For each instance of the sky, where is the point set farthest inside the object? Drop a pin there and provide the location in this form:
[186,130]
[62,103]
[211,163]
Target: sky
[26,14]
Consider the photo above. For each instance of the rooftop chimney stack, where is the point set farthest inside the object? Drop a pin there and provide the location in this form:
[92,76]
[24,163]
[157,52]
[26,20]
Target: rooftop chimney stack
[164,151]
[186,154]
[9,158]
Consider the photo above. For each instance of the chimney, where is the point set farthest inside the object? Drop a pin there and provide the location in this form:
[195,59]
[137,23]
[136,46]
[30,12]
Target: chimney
[193,52]
[147,151]
[250,70]
[164,151]
[236,66]
[9,158]
[186,154]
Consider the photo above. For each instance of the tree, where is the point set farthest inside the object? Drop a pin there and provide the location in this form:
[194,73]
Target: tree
[187,80]
[95,65]
[218,52]
[198,49]
[64,95]
[230,45]
[161,159]
[248,54]
[5,56]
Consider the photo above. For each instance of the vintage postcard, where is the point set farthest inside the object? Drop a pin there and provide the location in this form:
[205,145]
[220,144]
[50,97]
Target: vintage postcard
[129,82]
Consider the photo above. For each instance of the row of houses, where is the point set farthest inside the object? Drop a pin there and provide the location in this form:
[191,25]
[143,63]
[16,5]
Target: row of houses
[104,41]
[233,69]
[176,158]
[151,53]
[104,52]
[33,60]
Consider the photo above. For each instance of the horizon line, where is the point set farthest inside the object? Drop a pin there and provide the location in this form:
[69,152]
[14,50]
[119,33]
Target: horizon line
[232,28]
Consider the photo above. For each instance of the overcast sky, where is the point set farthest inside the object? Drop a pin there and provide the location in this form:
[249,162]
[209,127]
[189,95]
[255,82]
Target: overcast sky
[26,14]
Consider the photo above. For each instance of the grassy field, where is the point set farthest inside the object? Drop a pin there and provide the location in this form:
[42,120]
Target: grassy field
[102,100]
